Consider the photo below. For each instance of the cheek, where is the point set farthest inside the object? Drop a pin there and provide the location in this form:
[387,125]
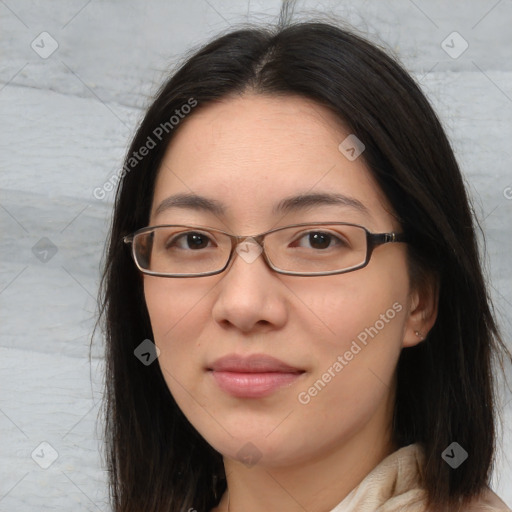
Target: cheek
[172,303]
[355,324]
[362,306]
[177,318]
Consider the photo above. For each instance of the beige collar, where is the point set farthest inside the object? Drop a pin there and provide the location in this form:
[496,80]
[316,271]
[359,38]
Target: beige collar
[394,485]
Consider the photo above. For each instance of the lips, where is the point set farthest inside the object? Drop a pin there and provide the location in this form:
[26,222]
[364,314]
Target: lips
[254,376]
[255,363]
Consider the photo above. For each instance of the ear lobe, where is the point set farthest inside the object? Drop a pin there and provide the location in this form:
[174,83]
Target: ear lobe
[423,309]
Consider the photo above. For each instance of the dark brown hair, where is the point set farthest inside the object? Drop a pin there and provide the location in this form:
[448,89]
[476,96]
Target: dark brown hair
[445,391]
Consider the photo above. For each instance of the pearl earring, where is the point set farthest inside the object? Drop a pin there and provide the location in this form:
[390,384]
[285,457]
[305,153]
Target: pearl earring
[419,334]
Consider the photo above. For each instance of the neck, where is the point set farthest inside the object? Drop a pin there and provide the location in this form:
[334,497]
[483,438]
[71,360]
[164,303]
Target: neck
[314,485]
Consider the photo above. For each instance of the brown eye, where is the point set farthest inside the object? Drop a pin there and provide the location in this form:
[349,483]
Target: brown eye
[189,240]
[319,240]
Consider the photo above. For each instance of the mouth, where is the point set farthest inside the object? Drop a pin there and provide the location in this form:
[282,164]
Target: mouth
[255,376]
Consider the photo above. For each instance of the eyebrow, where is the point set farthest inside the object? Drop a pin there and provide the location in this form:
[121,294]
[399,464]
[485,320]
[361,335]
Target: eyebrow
[287,205]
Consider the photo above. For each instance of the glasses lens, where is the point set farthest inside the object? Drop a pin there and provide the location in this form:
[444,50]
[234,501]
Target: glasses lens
[181,250]
[319,248]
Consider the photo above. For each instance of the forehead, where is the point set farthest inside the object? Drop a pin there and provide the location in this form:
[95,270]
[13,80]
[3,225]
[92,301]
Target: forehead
[251,151]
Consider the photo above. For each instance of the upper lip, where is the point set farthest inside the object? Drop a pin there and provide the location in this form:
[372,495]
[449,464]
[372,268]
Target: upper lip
[255,363]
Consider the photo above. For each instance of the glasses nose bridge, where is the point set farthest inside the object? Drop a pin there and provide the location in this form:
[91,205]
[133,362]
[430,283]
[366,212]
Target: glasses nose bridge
[236,240]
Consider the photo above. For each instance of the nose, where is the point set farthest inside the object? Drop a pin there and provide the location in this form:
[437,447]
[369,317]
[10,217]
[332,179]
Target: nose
[250,294]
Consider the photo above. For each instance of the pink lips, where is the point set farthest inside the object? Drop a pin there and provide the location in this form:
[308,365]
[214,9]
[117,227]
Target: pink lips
[254,376]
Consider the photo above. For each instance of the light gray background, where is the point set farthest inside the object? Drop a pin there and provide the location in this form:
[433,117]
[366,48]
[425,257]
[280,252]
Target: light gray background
[65,124]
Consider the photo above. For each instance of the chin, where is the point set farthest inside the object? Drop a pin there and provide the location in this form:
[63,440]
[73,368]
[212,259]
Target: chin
[257,448]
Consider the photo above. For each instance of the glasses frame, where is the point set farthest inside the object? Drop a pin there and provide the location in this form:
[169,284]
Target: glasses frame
[373,240]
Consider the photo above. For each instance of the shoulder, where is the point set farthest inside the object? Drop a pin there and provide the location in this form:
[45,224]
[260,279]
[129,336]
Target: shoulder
[487,501]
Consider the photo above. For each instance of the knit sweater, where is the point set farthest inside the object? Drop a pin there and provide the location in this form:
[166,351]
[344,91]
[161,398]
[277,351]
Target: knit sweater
[394,485]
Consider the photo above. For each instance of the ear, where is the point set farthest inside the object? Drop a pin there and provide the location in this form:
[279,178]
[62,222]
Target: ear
[423,307]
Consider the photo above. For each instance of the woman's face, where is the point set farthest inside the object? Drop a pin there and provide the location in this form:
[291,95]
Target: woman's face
[342,334]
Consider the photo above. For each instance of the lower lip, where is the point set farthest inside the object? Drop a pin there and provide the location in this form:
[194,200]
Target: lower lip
[253,385]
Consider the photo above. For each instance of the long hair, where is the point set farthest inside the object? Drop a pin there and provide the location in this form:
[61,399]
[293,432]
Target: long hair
[445,391]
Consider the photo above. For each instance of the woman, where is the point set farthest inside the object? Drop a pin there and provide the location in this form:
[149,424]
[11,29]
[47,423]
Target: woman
[336,355]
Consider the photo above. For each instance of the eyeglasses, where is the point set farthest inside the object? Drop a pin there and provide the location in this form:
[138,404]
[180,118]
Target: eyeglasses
[308,249]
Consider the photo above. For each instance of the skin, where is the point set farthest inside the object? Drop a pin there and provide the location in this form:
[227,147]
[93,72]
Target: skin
[249,152]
